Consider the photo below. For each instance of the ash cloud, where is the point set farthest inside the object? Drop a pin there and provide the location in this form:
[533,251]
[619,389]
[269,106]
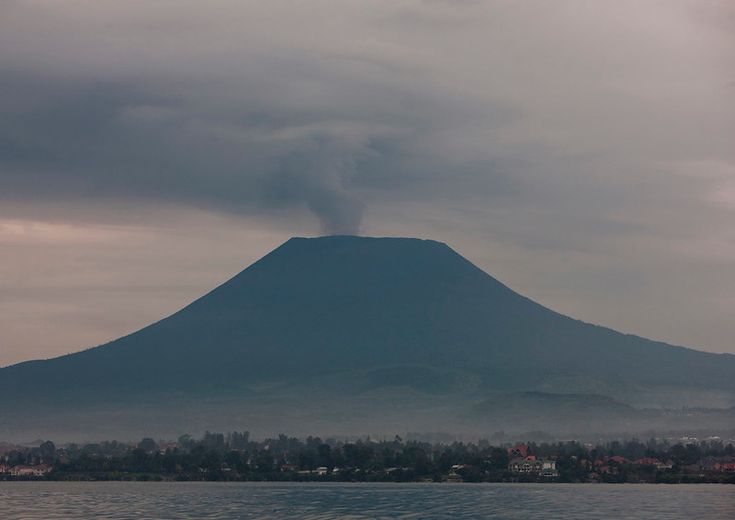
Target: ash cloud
[70,139]
[260,122]
[258,109]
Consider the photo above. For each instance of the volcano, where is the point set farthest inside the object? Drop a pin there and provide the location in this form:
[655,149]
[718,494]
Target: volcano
[347,334]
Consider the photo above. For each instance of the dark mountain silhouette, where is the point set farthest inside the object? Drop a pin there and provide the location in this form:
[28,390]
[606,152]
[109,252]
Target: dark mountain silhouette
[359,323]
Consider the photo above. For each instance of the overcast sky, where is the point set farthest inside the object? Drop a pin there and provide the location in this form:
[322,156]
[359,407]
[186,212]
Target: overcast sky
[581,152]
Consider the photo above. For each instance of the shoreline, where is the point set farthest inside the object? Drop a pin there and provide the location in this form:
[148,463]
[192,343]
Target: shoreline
[318,483]
[157,478]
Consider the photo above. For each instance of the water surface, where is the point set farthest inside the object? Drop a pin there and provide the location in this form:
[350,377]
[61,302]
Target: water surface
[128,500]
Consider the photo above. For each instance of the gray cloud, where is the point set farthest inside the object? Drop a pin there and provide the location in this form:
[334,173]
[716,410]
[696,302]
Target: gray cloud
[256,122]
[99,139]
[579,149]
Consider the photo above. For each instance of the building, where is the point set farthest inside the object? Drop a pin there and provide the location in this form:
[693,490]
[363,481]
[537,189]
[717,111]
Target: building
[709,464]
[533,465]
[649,461]
[520,450]
[30,471]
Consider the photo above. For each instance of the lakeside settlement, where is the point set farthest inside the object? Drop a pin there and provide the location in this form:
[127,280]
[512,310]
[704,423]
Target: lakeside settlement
[236,457]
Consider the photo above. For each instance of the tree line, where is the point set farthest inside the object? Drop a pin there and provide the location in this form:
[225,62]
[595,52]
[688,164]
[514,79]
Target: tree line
[236,456]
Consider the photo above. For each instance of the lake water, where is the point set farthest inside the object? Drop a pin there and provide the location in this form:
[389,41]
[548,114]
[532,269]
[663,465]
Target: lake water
[127,500]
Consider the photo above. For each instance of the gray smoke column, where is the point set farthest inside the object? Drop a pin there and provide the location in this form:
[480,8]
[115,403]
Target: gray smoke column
[321,174]
[339,212]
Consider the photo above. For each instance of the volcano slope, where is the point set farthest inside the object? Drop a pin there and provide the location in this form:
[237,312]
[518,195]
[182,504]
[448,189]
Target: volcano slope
[347,334]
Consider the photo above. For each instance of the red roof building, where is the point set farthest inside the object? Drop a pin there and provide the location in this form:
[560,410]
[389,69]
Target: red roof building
[521,450]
